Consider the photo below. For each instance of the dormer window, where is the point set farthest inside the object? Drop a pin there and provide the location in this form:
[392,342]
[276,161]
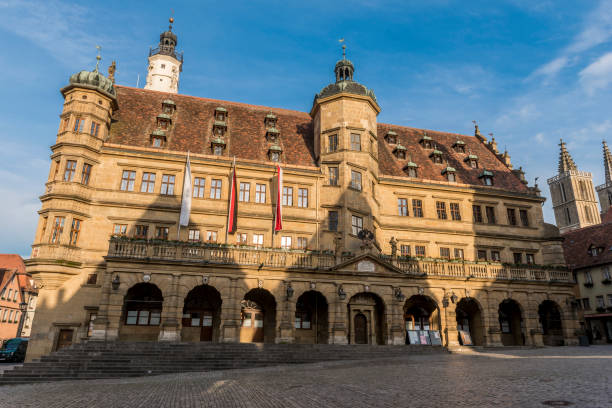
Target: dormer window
[436,156]
[168,106]
[400,152]
[219,128]
[411,169]
[163,121]
[459,146]
[158,138]
[218,145]
[472,161]
[594,251]
[426,142]
[487,177]
[450,174]
[270,120]
[391,137]
[272,135]
[274,153]
[220,114]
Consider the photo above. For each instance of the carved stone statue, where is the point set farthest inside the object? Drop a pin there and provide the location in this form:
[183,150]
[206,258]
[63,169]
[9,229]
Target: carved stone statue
[393,244]
[338,245]
[111,71]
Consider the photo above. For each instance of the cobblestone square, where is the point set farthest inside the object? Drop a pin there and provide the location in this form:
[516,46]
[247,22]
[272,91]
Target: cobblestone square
[565,376]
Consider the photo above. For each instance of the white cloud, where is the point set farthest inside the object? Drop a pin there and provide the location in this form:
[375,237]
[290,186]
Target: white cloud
[552,68]
[539,137]
[597,75]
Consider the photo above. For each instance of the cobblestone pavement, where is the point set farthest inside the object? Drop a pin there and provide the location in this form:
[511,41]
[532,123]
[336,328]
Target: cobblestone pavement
[565,376]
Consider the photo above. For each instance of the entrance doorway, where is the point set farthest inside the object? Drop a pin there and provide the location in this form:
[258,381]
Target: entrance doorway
[511,323]
[367,319]
[422,321]
[201,314]
[469,321]
[550,319]
[311,320]
[258,317]
[361,329]
[64,339]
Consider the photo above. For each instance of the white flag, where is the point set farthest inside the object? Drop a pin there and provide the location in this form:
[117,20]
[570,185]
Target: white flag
[186,201]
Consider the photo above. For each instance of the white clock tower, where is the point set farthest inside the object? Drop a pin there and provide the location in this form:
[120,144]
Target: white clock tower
[165,64]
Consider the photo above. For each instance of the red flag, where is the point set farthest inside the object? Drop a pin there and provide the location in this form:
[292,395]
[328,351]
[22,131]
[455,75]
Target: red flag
[278,225]
[232,214]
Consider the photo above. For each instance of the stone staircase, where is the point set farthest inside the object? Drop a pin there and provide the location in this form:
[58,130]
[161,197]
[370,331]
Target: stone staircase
[95,360]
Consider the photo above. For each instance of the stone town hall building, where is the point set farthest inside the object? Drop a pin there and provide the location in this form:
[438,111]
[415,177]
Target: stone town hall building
[390,234]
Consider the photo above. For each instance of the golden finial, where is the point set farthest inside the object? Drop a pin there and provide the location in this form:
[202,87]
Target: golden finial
[98,57]
[171,19]
[343,48]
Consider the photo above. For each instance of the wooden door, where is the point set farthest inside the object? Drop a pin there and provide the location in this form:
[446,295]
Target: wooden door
[252,329]
[65,338]
[206,333]
[361,329]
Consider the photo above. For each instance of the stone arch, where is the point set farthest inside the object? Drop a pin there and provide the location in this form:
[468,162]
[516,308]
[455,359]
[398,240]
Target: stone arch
[470,318]
[258,317]
[511,323]
[141,313]
[201,317]
[421,314]
[550,317]
[372,307]
[311,318]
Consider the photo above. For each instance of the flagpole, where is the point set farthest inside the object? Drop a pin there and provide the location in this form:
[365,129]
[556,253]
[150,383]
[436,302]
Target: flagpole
[178,231]
[231,186]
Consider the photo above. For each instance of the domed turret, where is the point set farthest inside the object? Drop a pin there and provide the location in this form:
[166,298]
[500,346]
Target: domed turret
[92,80]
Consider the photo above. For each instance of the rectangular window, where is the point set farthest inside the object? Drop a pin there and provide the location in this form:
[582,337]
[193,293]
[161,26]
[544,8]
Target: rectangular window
[495,256]
[405,250]
[481,255]
[127,180]
[95,127]
[303,197]
[211,236]
[143,317]
[79,124]
[86,174]
[119,229]
[245,192]
[288,196]
[302,242]
[148,183]
[586,304]
[609,300]
[587,277]
[161,233]
[511,216]
[356,180]
[419,250]
[402,207]
[332,144]
[198,187]
[75,231]
[167,186]
[490,215]
[90,323]
[333,176]
[194,235]
[332,217]
[70,170]
[141,231]
[242,238]
[258,240]
[355,142]
[524,218]
[215,189]
[530,259]
[15,295]
[356,224]
[444,252]
[417,208]
[518,257]
[477,212]
[441,210]
[260,193]
[455,212]
[459,253]
[10,318]
[600,302]
[286,242]
[58,228]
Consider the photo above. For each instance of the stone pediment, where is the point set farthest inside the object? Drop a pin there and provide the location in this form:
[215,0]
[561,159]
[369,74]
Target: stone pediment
[367,264]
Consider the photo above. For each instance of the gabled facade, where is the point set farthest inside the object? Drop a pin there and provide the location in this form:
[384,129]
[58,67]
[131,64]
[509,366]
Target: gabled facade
[376,246]
[604,191]
[17,298]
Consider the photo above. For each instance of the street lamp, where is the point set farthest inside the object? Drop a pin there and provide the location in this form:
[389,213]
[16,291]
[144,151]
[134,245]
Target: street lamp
[115,282]
[23,306]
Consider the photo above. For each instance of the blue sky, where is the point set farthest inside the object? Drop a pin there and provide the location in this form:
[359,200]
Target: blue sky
[528,71]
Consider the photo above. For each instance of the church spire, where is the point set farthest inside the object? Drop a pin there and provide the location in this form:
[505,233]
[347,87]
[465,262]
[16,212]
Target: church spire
[607,162]
[566,163]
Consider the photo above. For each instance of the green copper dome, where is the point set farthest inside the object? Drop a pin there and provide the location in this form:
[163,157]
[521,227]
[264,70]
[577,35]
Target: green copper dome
[344,70]
[92,80]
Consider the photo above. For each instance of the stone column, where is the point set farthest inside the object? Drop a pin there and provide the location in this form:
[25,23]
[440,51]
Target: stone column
[533,329]
[338,315]
[450,317]
[491,314]
[569,323]
[170,327]
[397,331]
[286,319]
[101,324]
[230,315]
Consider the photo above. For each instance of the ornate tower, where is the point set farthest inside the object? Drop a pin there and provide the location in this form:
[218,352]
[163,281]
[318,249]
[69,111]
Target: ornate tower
[165,64]
[572,194]
[604,191]
[344,116]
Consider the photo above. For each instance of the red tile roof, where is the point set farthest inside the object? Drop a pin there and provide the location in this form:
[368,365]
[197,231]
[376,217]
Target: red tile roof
[192,124]
[11,264]
[576,245]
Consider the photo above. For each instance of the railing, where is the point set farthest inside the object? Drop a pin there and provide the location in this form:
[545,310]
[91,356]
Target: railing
[167,50]
[123,248]
[56,252]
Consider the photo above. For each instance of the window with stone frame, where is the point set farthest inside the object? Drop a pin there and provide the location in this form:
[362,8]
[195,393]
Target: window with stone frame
[356,142]
[260,193]
[437,158]
[356,180]
[167,185]
[333,176]
[141,231]
[302,242]
[286,242]
[524,216]
[244,192]
[302,197]
[586,304]
[211,236]
[490,211]
[92,279]
[481,254]
[441,210]
[161,233]
[157,141]
[600,302]
[412,172]
[495,256]
[588,278]
[70,170]
[417,208]
[86,174]
[458,253]
[288,196]
[487,180]
[455,212]
[75,231]
[58,229]
[404,250]
[459,148]
[274,155]
[218,150]
[511,216]
[215,189]
[242,238]
[419,250]
[95,129]
[332,143]
[477,213]
[199,184]
[445,252]
[148,183]
[450,176]
[120,230]
[79,124]
[606,273]
[127,180]
[194,235]
[517,257]
[529,259]
[258,240]
[302,317]
[332,219]
[356,224]
[402,207]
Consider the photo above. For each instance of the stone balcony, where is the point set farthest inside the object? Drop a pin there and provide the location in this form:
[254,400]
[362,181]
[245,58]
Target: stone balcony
[68,189]
[202,253]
